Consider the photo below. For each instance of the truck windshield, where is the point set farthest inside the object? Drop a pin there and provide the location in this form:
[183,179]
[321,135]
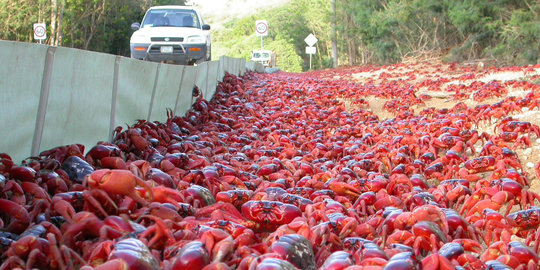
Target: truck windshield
[171,18]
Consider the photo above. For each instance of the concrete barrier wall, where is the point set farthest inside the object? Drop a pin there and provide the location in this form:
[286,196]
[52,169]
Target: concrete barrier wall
[54,96]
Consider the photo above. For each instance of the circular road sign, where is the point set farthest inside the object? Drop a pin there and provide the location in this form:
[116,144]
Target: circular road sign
[261,28]
[40,31]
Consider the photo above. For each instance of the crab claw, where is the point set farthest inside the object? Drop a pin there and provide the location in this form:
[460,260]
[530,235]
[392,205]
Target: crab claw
[436,261]
[20,219]
[192,256]
[35,190]
[469,259]
[344,189]
[222,249]
[22,173]
[113,163]
[121,182]
[469,245]
[163,194]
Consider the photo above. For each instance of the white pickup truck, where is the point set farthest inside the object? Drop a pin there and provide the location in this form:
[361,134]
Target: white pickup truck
[174,34]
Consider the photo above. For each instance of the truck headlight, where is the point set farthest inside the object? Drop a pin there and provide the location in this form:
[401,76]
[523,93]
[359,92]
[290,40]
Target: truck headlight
[139,39]
[195,39]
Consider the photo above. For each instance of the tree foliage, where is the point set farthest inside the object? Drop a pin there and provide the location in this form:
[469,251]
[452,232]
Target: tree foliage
[368,31]
[386,31]
[17,18]
[97,25]
[288,26]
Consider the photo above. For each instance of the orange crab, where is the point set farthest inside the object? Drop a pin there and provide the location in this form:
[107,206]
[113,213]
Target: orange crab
[120,182]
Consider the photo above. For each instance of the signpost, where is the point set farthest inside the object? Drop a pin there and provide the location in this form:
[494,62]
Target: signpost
[40,31]
[261,30]
[310,41]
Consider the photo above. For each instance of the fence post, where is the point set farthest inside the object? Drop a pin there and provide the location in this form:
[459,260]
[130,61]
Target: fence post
[43,100]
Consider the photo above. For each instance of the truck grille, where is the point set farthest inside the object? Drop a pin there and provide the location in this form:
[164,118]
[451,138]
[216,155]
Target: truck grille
[177,49]
[170,39]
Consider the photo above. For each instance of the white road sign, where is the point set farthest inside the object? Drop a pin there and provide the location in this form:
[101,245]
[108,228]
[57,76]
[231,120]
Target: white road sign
[311,50]
[261,28]
[311,40]
[40,31]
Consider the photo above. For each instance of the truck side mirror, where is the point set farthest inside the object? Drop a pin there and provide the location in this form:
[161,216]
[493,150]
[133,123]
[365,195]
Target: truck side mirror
[205,27]
[135,26]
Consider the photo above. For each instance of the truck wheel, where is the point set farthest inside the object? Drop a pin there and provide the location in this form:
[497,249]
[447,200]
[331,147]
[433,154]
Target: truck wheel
[209,58]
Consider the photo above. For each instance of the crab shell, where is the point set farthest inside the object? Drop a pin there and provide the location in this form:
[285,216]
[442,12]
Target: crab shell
[270,214]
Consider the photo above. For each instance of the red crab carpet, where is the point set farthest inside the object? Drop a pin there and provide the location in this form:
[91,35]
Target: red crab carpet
[409,166]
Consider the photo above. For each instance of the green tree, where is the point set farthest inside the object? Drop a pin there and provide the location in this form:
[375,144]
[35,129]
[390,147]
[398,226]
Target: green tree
[18,16]
[98,25]
[368,31]
[288,27]
[520,37]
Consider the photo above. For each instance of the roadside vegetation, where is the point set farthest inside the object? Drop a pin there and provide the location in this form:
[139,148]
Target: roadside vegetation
[96,25]
[499,32]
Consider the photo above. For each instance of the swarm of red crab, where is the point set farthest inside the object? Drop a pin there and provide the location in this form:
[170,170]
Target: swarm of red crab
[292,171]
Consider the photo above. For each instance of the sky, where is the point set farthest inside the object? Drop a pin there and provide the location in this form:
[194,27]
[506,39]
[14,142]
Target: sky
[216,12]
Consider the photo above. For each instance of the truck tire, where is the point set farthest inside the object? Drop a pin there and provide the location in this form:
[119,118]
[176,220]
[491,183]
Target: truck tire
[209,58]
